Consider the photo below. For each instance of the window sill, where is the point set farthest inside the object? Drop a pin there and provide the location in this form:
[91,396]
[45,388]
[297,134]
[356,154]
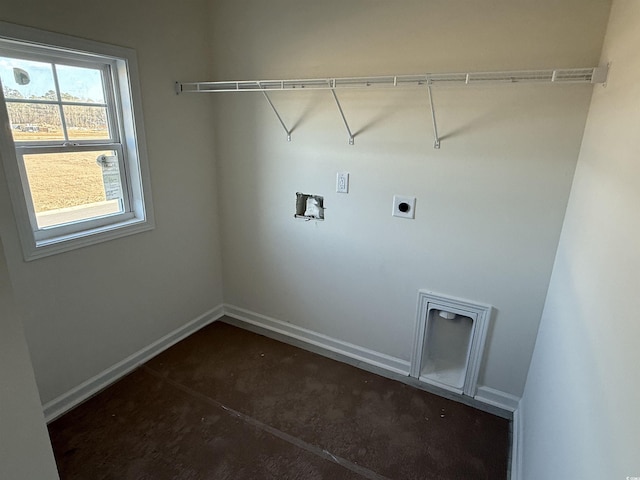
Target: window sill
[65,243]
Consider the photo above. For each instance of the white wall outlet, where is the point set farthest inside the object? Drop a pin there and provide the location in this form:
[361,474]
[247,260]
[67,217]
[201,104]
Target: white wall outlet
[342,182]
[404,206]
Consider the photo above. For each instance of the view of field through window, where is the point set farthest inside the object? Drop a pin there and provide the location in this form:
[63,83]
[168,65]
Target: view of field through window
[71,186]
[62,180]
[62,105]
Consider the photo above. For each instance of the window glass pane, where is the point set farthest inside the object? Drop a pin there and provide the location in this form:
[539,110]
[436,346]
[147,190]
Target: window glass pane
[86,123]
[33,121]
[71,187]
[78,84]
[25,79]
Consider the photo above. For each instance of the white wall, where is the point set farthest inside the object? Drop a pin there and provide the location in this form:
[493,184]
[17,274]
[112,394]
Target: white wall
[88,309]
[490,203]
[25,451]
[580,408]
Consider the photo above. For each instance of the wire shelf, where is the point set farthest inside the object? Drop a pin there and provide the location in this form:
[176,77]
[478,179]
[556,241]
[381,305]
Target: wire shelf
[554,76]
[566,75]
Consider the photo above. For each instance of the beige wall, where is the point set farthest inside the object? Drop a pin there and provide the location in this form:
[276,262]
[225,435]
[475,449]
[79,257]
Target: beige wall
[88,309]
[490,205]
[25,451]
[490,202]
[580,409]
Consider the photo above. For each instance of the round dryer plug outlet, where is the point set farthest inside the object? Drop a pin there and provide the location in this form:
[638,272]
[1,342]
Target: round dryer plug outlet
[403,206]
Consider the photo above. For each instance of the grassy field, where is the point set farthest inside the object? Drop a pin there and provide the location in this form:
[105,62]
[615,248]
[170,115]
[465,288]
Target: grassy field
[65,179]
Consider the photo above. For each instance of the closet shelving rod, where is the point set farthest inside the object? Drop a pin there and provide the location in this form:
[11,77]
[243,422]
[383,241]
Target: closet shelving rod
[553,76]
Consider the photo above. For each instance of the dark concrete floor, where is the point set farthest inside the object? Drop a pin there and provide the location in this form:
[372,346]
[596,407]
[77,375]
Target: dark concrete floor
[226,403]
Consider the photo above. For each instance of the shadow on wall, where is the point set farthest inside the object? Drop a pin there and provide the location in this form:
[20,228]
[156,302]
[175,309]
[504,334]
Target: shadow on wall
[361,37]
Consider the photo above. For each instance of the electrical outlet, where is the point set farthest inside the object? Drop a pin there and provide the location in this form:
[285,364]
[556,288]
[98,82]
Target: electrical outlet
[403,206]
[342,182]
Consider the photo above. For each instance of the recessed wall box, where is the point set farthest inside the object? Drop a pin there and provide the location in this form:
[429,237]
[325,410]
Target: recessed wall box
[449,342]
[309,207]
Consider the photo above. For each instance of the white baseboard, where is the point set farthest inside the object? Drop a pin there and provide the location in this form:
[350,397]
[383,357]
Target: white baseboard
[77,395]
[361,354]
[505,403]
[497,398]
[397,367]
[516,445]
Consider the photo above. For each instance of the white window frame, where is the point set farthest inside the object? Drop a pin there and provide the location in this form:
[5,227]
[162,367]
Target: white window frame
[128,139]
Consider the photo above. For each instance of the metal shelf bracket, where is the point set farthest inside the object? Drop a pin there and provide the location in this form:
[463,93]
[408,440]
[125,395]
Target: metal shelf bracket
[436,141]
[335,97]
[288,131]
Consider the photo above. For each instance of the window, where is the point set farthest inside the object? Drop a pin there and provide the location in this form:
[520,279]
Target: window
[73,145]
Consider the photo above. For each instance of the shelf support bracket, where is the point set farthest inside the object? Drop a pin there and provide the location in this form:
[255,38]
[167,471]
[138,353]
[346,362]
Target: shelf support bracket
[436,142]
[335,97]
[277,114]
